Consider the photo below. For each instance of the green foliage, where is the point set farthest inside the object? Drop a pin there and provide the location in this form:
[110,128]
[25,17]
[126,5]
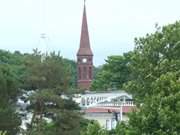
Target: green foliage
[155,55]
[114,73]
[64,113]
[20,65]
[159,113]
[51,76]
[151,73]
[94,128]
[9,85]
[121,129]
[156,66]
[71,65]
[49,73]
[9,120]
[154,82]
[2,133]
[16,62]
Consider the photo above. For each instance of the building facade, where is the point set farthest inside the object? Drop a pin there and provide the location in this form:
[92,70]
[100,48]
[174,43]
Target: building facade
[107,107]
[84,57]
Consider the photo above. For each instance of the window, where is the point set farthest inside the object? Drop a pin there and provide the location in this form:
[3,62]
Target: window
[113,123]
[83,102]
[90,72]
[84,73]
[108,124]
[79,73]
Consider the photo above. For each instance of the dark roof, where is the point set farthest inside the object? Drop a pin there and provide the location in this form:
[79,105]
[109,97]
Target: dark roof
[85,48]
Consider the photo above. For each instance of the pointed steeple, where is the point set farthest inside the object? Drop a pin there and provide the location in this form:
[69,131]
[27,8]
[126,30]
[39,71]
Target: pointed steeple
[85,48]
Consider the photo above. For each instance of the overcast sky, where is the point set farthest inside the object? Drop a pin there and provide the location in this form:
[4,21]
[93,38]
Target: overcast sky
[113,24]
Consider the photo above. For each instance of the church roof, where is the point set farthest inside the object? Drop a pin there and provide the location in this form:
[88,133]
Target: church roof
[125,109]
[85,48]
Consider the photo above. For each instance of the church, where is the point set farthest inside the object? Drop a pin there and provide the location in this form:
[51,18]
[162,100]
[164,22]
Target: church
[106,107]
[84,57]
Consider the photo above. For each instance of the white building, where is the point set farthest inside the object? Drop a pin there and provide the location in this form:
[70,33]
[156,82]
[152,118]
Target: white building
[106,107]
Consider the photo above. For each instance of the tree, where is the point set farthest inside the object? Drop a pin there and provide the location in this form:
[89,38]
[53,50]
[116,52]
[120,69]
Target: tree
[114,73]
[9,120]
[94,128]
[154,55]
[71,65]
[160,113]
[2,133]
[50,78]
[156,66]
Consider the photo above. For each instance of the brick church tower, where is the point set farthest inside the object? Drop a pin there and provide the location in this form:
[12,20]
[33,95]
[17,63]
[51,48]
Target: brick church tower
[84,57]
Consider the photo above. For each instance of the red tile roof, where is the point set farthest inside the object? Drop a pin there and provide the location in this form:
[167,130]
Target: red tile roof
[125,109]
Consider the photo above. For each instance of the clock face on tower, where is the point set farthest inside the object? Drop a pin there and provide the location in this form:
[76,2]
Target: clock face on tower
[84,60]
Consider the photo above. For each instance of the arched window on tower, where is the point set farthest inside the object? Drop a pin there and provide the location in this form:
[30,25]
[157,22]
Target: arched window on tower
[79,73]
[90,72]
[84,73]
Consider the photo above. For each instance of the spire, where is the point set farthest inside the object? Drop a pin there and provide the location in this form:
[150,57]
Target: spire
[85,48]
